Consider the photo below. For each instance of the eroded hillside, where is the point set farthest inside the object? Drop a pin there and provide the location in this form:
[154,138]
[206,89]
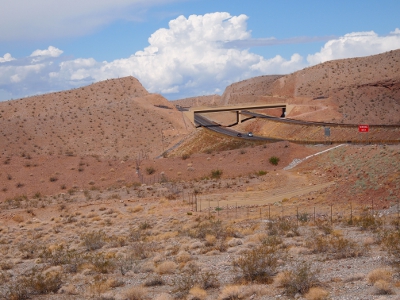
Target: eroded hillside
[113,118]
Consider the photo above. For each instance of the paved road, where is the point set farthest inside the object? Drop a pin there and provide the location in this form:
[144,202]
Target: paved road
[202,121]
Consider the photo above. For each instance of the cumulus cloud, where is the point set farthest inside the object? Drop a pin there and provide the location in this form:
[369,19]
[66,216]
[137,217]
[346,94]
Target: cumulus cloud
[188,58]
[356,44]
[51,51]
[6,57]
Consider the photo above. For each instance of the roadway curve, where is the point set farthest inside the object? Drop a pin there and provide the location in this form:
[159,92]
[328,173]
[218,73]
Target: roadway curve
[204,122]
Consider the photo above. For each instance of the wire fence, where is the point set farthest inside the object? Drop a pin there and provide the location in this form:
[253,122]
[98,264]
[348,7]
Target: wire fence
[303,213]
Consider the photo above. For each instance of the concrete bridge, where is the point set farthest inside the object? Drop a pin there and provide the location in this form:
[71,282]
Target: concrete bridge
[236,108]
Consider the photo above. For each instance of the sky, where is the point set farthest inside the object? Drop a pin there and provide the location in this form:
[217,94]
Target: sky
[181,48]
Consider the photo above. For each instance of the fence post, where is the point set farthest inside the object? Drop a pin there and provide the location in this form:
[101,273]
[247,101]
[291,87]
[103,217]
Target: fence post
[209,209]
[236,211]
[351,213]
[260,214]
[314,216]
[372,206]
[269,212]
[200,204]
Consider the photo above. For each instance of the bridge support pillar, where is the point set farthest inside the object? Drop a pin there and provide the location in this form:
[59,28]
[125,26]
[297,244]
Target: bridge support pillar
[238,116]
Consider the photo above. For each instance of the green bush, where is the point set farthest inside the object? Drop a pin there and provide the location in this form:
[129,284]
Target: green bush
[274,160]
[216,174]
[150,170]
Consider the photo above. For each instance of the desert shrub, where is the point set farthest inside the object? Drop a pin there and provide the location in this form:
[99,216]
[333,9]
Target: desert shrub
[53,178]
[192,276]
[282,226]
[300,279]
[29,249]
[335,246]
[93,240]
[211,227]
[60,255]
[303,217]
[144,225]
[273,160]
[142,250]
[101,263]
[150,170]
[258,264]
[185,156]
[368,222]
[324,226]
[216,174]
[34,282]
[391,242]
[261,173]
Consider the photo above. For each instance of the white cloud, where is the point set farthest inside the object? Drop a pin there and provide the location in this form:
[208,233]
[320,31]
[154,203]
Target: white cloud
[51,51]
[188,58]
[38,19]
[396,31]
[356,44]
[6,57]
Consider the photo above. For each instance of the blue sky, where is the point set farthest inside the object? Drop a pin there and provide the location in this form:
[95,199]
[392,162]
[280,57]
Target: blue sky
[51,45]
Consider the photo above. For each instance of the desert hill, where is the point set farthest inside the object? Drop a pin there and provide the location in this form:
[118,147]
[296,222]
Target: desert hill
[113,118]
[357,90]
[353,91]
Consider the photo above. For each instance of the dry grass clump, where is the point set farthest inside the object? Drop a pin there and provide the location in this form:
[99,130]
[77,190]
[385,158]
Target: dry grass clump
[380,274]
[316,293]
[383,287]
[231,292]
[18,218]
[135,209]
[136,293]
[197,293]
[166,267]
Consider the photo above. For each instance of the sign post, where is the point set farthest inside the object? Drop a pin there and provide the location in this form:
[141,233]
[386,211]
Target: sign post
[363,128]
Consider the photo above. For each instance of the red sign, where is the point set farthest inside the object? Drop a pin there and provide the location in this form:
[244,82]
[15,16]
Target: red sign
[363,128]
